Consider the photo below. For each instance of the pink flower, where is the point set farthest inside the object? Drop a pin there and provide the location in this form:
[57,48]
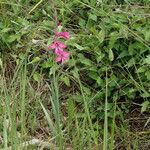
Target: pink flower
[64,35]
[62,56]
[57,45]
[58,50]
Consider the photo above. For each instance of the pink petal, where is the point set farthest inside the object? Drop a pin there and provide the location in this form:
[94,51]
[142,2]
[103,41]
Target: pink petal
[58,51]
[57,44]
[52,46]
[64,35]
[60,44]
[65,54]
[58,59]
[62,56]
[62,60]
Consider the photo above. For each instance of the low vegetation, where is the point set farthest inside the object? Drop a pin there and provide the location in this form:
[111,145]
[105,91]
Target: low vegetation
[75,74]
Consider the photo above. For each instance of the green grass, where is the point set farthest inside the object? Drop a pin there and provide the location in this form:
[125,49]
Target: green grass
[23,107]
[99,99]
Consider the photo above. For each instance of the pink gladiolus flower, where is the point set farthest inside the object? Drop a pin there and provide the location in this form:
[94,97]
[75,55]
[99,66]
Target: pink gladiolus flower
[62,56]
[57,45]
[64,35]
[58,51]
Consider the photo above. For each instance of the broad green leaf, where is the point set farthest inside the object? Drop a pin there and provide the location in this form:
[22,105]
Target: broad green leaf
[145,95]
[12,38]
[113,38]
[93,75]
[111,55]
[93,17]
[147,35]
[99,56]
[53,69]
[49,41]
[47,64]
[123,54]
[141,69]
[37,77]
[82,22]
[147,73]
[86,62]
[35,60]
[66,80]
[145,105]
[101,36]
[131,62]
[100,81]
[147,60]
[78,46]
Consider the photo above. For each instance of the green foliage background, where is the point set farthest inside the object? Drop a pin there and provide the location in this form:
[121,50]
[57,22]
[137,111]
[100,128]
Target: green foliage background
[107,37]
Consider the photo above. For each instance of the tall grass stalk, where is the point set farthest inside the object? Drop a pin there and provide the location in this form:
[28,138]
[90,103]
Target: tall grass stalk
[87,112]
[23,82]
[10,115]
[113,125]
[105,140]
[55,126]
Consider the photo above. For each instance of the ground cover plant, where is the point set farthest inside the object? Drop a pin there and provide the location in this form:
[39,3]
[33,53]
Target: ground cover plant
[75,74]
